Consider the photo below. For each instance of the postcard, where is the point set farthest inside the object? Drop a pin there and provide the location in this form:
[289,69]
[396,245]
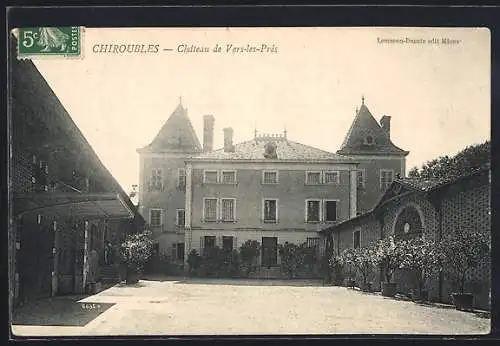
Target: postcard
[249,181]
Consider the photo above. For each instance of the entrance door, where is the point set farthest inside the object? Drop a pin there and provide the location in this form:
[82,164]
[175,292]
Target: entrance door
[269,251]
[36,260]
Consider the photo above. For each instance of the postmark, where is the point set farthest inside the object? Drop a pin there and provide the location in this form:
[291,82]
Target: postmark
[50,42]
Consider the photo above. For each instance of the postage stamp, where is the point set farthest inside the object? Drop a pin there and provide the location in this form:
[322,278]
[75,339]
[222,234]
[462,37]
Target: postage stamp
[50,41]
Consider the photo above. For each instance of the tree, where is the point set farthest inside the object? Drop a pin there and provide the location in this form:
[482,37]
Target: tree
[421,257]
[249,251]
[136,250]
[462,252]
[336,266]
[388,255]
[447,168]
[347,258]
[194,261]
[292,257]
[363,262]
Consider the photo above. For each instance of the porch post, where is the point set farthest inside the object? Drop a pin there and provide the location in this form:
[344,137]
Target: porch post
[353,203]
[55,252]
[86,256]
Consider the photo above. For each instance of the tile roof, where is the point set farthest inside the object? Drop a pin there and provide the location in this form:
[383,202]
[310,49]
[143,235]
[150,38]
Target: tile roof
[364,125]
[177,134]
[423,185]
[419,183]
[285,149]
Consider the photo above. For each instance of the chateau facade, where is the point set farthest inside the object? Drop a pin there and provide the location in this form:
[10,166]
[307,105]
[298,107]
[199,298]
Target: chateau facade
[269,188]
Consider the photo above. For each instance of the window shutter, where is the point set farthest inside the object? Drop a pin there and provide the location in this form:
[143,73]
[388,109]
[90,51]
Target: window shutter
[174,252]
[235,243]
[202,244]
[163,220]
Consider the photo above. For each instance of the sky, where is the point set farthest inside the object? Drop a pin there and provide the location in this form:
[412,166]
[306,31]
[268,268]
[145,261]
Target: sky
[437,94]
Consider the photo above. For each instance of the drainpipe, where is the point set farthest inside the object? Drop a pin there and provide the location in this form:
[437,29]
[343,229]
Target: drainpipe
[188,233]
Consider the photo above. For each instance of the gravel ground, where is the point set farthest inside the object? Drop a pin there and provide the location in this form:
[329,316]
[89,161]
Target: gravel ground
[246,307]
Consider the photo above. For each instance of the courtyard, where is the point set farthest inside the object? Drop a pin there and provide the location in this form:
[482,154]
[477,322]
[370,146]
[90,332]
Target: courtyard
[179,306]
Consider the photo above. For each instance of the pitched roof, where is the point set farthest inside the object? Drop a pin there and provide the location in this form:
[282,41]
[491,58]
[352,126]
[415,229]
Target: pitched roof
[285,150]
[177,134]
[419,183]
[426,186]
[364,125]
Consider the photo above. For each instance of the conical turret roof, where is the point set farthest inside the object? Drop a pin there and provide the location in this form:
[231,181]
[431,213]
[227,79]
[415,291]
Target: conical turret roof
[366,137]
[176,135]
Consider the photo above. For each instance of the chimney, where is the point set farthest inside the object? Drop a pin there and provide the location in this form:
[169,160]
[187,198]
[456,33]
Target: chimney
[385,122]
[228,139]
[208,133]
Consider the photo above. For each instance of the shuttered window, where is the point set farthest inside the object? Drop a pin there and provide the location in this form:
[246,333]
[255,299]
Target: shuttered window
[210,209]
[313,210]
[228,209]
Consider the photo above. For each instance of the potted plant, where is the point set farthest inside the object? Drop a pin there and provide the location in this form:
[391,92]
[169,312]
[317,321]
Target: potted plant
[347,258]
[194,262]
[249,252]
[336,267]
[420,256]
[460,253]
[213,261]
[135,252]
[363,262]
[388,256]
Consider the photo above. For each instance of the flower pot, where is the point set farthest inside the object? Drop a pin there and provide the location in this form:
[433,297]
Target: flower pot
[350,283]
[462,301]
[366,287]
[417,295]
[389,289]
[132,276]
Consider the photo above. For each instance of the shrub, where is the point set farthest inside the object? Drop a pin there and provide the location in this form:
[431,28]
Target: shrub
[347,258]
[363,262]
[462,252]
[249,252]
[388,255]
[232,264]
[336,267]
[213,261]
[292,257]
[136,250]
[194,261]
[420,256]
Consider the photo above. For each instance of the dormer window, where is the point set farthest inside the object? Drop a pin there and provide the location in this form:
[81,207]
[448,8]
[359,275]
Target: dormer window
[270,151]
[369,140]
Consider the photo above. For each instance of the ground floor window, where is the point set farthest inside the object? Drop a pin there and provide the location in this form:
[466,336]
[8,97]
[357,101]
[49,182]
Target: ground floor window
[356,238]
[227,244]
[178,252]
[330,211]
[207,243]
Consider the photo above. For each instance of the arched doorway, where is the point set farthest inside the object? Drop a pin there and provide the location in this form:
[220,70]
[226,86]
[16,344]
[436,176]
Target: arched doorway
[409,222]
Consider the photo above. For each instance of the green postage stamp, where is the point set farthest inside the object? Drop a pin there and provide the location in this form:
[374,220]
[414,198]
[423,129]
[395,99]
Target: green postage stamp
[49,41]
